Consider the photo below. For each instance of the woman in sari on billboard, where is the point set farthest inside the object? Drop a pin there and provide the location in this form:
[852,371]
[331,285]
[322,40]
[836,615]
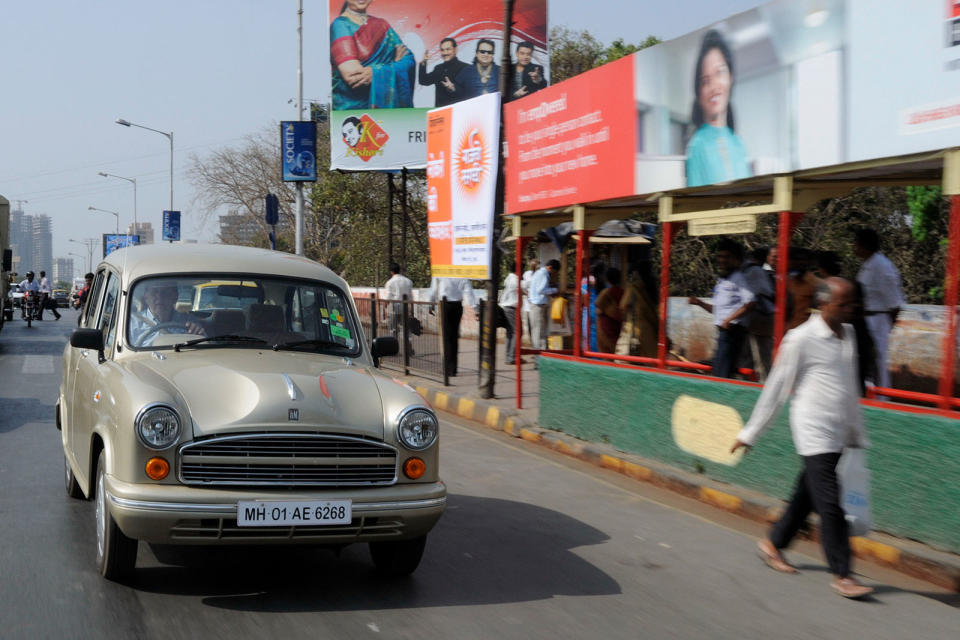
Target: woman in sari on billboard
[715,153]
[372,69]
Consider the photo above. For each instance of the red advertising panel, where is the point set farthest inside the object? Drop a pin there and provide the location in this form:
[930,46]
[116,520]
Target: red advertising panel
[573,142]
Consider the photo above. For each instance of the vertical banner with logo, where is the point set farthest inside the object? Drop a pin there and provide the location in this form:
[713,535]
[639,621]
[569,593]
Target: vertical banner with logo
[462,152]
[171,226]
[298,141]
[392,61]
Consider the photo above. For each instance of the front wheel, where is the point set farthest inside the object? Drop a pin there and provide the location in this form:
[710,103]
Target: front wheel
[116,553]
[398,557]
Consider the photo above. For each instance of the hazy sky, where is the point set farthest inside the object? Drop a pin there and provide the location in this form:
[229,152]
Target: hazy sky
[211,71]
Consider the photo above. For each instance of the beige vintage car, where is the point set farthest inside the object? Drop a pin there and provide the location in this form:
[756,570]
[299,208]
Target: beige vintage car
[257,418]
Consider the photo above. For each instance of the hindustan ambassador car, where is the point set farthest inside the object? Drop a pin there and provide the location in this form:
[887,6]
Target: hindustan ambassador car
[256,417]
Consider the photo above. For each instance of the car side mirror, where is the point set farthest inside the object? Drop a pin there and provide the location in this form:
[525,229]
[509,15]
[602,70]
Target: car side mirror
[87,339]
[385,346]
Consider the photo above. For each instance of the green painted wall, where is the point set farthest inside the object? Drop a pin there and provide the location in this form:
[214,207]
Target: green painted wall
[914,461]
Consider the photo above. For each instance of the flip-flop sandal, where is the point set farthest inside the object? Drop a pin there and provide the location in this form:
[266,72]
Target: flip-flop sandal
[775,563]
[855,592]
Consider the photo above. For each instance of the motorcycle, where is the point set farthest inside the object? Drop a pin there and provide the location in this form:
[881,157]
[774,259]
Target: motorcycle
[30,309]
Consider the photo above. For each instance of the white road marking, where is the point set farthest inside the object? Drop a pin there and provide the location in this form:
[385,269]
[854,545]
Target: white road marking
[373,627]
[37,365]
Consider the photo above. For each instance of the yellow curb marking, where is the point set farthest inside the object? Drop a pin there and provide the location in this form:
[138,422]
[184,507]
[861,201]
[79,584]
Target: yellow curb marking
[879,551]
[493,417]
[636,471]
[529,436]
[562,447]
[611,463]
[720,499]
[508,426]
[423,391]
[440,400]
[465,408]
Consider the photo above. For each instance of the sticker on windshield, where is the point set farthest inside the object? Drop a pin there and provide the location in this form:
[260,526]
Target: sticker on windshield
[340,332]
[336,316]
[323,312]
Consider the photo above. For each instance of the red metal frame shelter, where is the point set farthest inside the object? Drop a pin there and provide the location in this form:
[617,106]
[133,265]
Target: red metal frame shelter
[787,196]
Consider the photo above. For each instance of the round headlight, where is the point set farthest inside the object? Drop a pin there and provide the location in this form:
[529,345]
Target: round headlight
[418,428]
[158,427]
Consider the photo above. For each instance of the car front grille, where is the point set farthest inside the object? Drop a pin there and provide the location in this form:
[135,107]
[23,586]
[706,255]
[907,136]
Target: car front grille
[287,459]
[227,529]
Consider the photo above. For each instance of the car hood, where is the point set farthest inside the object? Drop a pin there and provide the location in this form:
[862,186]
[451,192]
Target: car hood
[242,390]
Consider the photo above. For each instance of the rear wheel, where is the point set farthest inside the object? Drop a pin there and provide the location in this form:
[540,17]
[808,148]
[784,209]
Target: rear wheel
[116,553]
[72,486]
[398,557]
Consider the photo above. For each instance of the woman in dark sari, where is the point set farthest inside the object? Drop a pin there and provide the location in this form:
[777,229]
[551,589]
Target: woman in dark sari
[372,69]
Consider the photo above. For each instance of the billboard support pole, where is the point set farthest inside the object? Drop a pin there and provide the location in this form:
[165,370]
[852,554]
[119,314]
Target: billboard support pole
[390,191]
[488,333]
[299,211]
[950,298]
[403,223]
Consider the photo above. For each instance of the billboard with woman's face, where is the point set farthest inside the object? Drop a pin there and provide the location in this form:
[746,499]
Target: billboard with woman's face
[790,85]
[391,60]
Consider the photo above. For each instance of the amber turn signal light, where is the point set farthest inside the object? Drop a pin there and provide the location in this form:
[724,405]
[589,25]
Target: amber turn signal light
[414,468]
[157,468]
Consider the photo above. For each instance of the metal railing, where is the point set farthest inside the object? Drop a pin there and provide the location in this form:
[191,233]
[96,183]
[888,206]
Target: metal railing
[416,326]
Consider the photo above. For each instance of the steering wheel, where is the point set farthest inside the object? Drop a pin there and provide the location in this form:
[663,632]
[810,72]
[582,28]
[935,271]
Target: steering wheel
[160,326]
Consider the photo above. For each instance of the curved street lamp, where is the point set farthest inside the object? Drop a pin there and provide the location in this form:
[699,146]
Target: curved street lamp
[131,180]
[127,123]
[115,213]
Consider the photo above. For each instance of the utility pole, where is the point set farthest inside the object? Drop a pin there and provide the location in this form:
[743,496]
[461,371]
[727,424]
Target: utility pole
[488,332]
[298,216]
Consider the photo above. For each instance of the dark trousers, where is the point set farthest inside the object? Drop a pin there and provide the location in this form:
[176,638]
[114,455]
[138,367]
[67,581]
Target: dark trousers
[818,490]
[507,318]
[46,302]
[452,312]
[727,355]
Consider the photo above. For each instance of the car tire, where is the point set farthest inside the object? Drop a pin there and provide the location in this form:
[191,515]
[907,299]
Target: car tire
[72,486]
[116,553]
[398,557]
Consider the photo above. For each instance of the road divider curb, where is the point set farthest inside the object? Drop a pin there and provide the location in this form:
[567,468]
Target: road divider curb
[908,557]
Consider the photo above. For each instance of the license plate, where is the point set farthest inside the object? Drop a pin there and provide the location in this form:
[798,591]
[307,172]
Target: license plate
[261,513]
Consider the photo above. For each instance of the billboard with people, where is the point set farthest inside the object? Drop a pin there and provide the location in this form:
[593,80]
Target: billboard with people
[392,61]
[783,87]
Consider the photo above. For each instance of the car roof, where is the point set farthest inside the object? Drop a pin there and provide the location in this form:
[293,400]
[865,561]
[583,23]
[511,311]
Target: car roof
[154,259]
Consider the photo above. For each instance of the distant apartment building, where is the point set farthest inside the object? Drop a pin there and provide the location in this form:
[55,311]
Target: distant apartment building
[239,229]
[142,229]
[31,240]
[63,270]
[42,244]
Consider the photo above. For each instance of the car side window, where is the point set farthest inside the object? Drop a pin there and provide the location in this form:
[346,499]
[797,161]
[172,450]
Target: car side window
[93,299]
[108,315]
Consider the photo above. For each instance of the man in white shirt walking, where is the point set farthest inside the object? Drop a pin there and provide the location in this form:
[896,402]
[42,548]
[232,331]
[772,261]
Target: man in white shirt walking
[451,293]
[525,281]
[46,300]
[509,296]
[397,287]
[817,362]
[882,296]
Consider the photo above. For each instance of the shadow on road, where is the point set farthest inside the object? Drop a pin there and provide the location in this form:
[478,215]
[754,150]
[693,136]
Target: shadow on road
[483,551]
[32,346]
[18,412]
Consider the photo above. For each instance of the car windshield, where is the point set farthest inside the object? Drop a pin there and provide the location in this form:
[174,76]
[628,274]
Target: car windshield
[170,310]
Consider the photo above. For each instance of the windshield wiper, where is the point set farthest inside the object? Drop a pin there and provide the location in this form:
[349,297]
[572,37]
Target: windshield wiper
[303,343]
[224,338]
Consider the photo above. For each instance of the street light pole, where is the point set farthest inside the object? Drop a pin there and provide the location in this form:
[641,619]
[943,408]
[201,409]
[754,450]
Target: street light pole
[298,214]
[134,181]
[89,244]
[115,213]
[127,123]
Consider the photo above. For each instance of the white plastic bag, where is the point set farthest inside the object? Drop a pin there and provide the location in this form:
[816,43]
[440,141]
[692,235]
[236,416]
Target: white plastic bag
[854,478]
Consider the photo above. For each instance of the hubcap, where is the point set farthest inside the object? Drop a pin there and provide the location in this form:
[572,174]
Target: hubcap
[101,516]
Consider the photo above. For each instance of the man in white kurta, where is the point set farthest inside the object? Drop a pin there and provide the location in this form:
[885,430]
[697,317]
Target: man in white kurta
[817,365]
[882,297]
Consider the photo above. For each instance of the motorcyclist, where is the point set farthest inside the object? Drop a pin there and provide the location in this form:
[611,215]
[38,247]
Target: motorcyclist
[30,287]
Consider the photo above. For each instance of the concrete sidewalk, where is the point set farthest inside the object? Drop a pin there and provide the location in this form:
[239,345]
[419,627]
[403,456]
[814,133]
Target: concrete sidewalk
[462,398]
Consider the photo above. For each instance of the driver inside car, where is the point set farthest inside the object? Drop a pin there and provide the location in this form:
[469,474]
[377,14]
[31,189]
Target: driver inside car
[159,315]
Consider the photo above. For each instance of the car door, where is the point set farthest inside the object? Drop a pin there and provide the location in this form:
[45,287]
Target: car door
[84,365]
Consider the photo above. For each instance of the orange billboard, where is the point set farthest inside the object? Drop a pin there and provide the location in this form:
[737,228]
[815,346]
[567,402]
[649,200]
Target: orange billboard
[462,147]
[573,142]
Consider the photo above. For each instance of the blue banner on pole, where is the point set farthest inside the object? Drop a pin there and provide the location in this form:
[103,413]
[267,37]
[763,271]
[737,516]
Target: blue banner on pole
[298,141]
[171,225]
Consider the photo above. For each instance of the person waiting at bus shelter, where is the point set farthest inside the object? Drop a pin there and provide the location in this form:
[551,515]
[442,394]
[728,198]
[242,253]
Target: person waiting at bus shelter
[733,301]
[882,296]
